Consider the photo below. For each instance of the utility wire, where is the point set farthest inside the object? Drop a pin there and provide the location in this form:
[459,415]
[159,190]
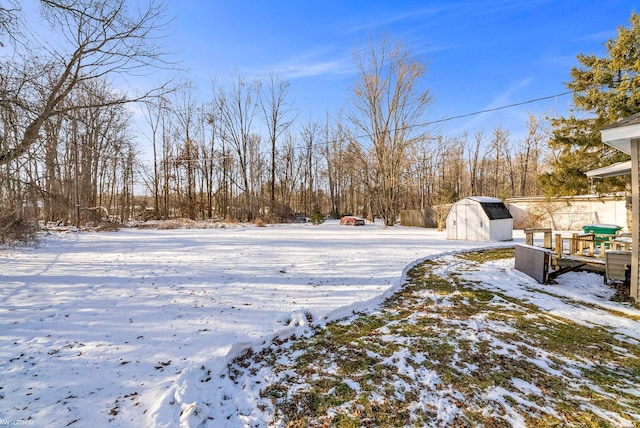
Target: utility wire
[462,116]
[475,113]
[489,110]
[445,119]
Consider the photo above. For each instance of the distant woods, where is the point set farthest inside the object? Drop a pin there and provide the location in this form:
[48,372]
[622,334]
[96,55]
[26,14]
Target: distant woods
[241,150]
[247,153]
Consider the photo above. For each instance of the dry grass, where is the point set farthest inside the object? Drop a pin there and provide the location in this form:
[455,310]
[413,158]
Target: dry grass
[444,351]
[15,230]
[108,227]
[231,221]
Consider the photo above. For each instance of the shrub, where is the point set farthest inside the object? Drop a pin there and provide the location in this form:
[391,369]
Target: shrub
[16,230]
[108,227]
[230,220]
[316,216]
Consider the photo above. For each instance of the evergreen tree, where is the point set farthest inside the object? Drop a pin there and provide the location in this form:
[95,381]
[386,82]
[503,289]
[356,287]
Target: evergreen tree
[605,90]
[317,217]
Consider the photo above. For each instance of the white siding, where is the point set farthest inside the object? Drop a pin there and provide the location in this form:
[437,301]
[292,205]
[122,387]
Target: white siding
[468,221]
[502,230]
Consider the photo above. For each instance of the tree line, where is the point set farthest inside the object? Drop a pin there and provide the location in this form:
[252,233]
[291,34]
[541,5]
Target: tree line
[245,153]
[244,150]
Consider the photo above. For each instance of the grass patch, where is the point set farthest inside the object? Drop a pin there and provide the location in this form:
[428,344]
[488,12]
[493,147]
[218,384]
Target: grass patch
[489,255]
[444,351]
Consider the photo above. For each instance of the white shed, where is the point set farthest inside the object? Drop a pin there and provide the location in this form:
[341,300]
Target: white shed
[480,218]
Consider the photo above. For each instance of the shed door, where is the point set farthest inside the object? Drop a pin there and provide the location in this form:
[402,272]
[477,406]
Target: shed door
[462,222]
[468,222]
[472,224]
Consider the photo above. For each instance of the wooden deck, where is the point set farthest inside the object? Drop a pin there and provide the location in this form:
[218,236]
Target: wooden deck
[568,258]
[585,251]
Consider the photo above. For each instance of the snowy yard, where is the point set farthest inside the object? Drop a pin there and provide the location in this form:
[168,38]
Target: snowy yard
[102,327]
[138,327]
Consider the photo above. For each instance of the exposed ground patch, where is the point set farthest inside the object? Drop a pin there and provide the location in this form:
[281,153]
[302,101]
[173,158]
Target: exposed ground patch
[448,351]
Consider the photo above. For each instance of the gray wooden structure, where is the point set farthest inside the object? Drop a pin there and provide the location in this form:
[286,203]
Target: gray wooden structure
[534,261]
[618,266]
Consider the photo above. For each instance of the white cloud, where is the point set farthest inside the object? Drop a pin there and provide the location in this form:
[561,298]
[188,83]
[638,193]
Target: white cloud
[601,36]
[503,99]
[294,70]
[384,20]
[314,63]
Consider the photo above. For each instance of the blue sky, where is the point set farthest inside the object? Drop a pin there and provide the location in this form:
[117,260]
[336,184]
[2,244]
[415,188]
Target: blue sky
[480,54]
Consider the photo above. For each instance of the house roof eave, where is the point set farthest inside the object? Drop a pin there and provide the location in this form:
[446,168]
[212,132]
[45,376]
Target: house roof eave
[614,170]
[619,134]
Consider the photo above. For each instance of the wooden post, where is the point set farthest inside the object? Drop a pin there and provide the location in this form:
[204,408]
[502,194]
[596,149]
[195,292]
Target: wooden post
[530,235]
[580,246]
[573,247]
[547,239]
[528,239]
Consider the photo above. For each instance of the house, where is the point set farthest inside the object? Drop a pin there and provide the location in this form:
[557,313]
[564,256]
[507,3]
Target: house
[479,218]
[624,135]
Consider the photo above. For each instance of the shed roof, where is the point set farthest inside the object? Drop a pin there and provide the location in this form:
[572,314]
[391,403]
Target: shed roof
[494,208]
[484,199]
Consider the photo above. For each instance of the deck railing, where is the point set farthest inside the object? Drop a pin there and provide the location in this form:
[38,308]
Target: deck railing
[588,245]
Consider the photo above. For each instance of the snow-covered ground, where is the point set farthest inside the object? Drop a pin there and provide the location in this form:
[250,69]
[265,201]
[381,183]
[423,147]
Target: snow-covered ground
[137,327]
[103,329]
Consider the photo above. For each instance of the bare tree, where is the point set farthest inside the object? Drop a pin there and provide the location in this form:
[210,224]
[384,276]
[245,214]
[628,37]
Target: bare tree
[277,115]
[388,102]
[336,169]
[154,112]
[208,158]
[186,114]
[529,157]
[289,174]
[310,134]
[102,38]
[474,164]
[499,166]
[9,20]
[237,109]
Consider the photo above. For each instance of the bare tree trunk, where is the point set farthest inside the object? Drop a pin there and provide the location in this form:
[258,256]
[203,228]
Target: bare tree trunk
[276,112]
[310,134]
[154,112]
[237,108]
[529,156]
[388,102]
[474,164]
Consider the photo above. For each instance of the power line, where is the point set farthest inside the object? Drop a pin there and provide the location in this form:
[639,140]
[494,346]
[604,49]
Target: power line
[449,118]
[475,113]
[462,116]
[489,110]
